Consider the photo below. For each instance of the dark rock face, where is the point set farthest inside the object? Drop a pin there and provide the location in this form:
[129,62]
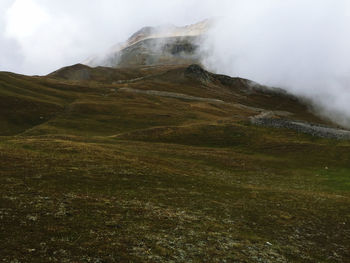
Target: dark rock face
[197,72]
[155,51]
[179,47]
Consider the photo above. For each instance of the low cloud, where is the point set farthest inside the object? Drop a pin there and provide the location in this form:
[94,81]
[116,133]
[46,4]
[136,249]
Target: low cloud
[51,34]
[301,46]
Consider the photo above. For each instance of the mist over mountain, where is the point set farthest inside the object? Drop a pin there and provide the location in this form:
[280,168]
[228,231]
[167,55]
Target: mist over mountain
[297,45]
[174,131]
[316,70]
[300,48]
[166,44]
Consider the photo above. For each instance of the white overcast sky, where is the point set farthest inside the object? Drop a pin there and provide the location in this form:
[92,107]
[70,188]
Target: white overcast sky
[39,36]
[300,45]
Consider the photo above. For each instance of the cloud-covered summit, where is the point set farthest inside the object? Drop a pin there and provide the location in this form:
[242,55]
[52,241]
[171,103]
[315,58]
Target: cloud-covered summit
[301,46]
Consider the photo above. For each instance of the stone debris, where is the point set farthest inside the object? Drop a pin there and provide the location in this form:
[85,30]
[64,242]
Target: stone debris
[268,119]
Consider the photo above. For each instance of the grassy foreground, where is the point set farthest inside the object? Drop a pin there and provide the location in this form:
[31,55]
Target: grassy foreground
[97,175]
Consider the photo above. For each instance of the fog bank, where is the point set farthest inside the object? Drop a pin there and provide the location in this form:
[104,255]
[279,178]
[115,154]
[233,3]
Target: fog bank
[301,46]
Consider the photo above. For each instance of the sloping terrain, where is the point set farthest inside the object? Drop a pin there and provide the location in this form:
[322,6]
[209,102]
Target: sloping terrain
[164,164]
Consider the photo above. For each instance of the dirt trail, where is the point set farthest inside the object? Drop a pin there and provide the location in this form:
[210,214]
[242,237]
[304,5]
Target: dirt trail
[170,95]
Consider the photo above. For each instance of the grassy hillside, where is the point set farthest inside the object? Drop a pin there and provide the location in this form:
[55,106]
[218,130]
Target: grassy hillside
[98,170]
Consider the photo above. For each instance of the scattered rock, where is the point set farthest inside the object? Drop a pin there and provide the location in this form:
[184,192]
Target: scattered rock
[302,127]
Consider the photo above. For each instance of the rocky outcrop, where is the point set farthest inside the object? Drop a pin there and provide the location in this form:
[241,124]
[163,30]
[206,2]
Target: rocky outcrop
[197,72]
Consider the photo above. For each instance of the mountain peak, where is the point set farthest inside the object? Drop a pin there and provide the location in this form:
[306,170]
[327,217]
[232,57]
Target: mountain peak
[164,44]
